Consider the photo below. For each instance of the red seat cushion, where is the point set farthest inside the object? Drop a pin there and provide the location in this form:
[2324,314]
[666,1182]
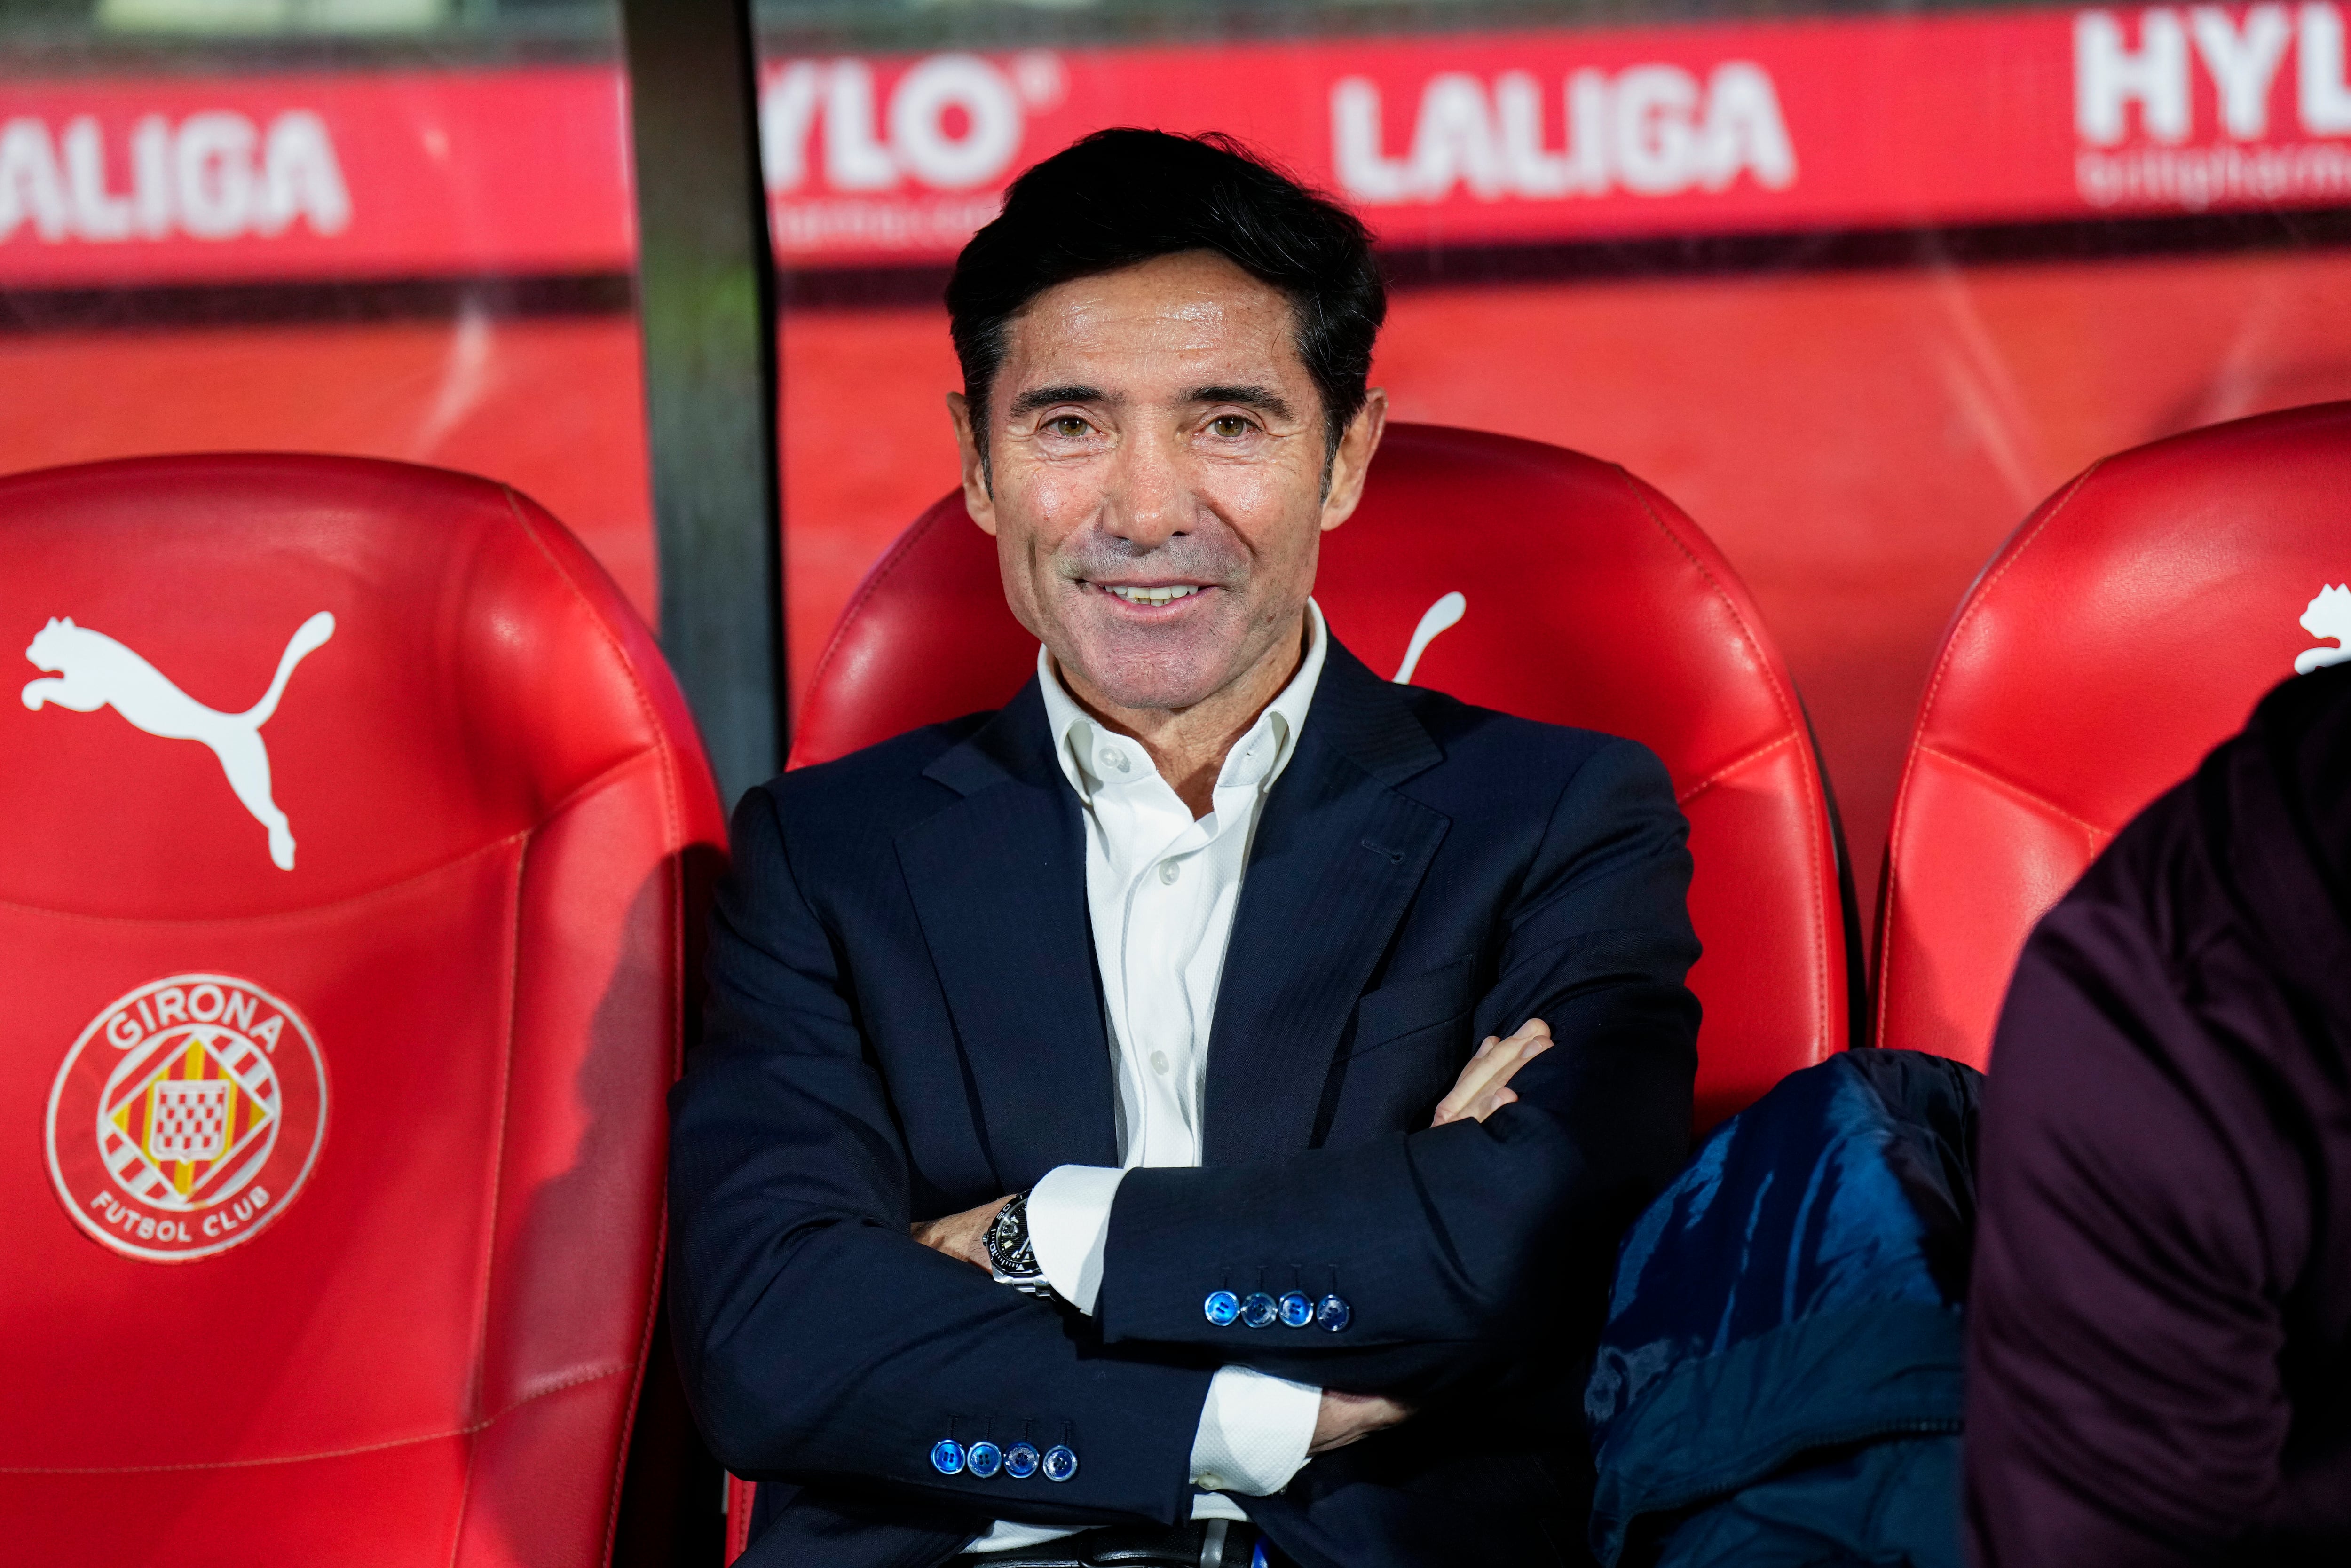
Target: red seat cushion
[332,1200]
[1592,601]
[2128,627]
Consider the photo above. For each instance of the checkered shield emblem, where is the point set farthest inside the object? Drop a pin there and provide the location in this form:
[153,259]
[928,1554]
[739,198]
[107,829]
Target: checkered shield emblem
[191,1119]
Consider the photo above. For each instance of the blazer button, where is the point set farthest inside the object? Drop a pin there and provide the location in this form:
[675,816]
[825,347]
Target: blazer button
[946,1457]
[1296,1310]
[1020,1461]
[1221,1308]
[1258,1310]
[1334,1313]
[1061,1464]
[982,1459]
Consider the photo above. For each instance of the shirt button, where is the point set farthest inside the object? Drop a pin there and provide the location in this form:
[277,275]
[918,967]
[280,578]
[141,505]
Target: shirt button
[1211,1481]
[1158,1062]
[1169,871]
[1115,759]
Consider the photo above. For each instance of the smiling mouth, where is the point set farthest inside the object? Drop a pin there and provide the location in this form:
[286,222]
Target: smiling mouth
[1150,595]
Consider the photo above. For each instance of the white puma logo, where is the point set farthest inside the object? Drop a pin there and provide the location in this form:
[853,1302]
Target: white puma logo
[2328,615]
[92,671]
[1447,611]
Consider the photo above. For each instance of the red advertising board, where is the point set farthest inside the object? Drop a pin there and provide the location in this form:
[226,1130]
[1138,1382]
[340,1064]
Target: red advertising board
[1457,138]
[381,175]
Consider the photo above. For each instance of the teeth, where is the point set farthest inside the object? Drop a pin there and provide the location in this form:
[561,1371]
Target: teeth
[1154,595]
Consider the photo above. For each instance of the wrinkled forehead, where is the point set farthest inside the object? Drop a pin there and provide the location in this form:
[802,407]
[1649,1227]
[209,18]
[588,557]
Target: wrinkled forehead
[1156,331]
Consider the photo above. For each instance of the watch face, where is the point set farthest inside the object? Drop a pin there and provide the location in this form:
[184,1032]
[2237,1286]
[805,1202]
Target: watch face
[1008,1241]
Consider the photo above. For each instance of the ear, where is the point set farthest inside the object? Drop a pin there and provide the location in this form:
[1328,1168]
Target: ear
[979,491]
[1353,459]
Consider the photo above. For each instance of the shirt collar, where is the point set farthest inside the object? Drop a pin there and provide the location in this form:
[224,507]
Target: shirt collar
[1084,749]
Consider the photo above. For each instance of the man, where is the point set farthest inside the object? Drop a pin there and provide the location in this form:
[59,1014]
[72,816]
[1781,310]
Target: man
[2159,1365]
[1068,1173]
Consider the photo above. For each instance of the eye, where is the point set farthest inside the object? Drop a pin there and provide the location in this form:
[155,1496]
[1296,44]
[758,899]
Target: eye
[1231,426]
[1068,426]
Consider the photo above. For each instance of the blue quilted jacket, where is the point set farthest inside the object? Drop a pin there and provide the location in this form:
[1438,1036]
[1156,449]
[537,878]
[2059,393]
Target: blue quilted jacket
[1780,1380]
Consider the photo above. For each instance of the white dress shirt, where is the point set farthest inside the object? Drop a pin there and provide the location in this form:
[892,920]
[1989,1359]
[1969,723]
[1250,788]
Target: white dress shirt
[1161,889]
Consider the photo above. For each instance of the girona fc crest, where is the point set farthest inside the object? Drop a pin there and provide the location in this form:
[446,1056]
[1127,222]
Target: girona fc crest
[187,1118]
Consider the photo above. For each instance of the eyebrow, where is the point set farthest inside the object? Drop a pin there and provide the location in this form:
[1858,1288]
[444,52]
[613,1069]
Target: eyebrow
[1036,398]
[1262,398]
[1246,395]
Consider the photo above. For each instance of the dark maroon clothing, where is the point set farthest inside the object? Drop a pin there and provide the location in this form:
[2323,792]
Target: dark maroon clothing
[2162,1289]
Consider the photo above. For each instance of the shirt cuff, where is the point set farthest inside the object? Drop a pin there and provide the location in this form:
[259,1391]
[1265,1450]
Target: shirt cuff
[1254,1432]
[1069,1227]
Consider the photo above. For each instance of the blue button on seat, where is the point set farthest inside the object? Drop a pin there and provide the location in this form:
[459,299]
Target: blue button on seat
[946,1457]
[1333,1313]
[1221,1308]
[1258,1310]
[982,1459]
[1020,1461]
[1061,1464]
[1296,1310]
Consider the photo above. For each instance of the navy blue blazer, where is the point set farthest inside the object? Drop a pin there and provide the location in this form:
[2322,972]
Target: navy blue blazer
[905,1021]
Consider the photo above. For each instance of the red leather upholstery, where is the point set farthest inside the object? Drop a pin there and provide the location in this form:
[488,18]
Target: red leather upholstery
[2128,627]
[1592,601]
[421,1346]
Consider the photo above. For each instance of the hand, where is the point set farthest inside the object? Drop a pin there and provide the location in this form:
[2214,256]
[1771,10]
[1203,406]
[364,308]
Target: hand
[963,1236]
[1483,1087]
[1346,1417]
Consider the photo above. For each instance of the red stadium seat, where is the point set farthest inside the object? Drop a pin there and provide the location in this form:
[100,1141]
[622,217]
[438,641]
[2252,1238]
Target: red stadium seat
[1591,600]
[2128,627]
[341,934]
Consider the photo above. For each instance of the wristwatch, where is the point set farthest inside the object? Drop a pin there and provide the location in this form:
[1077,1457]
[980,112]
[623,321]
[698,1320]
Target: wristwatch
[1010,1257]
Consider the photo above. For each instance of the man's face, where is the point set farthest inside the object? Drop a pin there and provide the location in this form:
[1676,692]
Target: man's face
[1155,475]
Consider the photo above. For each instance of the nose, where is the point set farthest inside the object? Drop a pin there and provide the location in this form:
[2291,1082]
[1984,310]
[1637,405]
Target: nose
[1148,500]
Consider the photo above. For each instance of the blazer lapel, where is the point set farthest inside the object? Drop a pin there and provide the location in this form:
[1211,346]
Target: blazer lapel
[999,881]
[1338,857]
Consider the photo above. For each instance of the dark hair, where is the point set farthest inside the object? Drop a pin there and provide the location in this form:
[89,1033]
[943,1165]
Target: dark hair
[1119,197]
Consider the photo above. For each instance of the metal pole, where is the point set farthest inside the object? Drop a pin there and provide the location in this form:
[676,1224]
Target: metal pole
[706,305]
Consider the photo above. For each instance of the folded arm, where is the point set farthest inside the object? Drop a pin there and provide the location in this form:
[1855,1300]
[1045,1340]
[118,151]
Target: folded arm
[1448,1243]
[1256,1428]
[819,1340]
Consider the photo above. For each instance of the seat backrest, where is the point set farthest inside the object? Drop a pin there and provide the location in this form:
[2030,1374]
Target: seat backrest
[1580,596]
[2128,627]
[1590,600]
[343,832]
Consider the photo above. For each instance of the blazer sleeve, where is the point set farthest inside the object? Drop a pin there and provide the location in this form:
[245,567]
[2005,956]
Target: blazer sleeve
[1452,1246]
[819,1342]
